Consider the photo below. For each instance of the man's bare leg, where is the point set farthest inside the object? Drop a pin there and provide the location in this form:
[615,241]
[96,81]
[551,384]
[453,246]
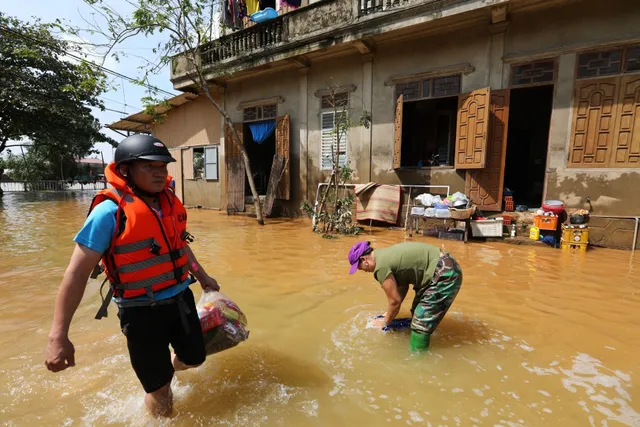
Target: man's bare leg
[160,402]
[179,366]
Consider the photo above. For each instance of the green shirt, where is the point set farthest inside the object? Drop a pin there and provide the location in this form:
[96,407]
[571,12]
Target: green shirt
[411,263]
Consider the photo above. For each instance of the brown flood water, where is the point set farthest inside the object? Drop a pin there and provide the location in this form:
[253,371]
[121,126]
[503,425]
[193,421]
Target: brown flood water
[535,337]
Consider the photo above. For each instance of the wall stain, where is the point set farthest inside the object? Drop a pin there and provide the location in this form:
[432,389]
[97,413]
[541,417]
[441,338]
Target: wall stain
[610,192]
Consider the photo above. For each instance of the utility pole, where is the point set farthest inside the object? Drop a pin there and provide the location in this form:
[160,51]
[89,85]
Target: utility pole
[103,168]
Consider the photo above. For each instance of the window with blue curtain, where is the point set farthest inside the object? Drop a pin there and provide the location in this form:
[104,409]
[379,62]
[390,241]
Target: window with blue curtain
[260,131]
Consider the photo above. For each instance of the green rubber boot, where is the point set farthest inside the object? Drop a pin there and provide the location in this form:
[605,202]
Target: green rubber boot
[419,342]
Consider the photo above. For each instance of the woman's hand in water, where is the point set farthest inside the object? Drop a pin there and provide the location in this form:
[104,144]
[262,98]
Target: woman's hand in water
[209,284]
[60,354]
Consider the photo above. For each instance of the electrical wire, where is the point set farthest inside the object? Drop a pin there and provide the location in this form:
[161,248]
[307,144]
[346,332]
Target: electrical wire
[93,64]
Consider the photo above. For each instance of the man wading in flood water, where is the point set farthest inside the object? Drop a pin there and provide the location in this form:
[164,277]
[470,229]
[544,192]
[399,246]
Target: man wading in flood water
[435,275]
[138,229]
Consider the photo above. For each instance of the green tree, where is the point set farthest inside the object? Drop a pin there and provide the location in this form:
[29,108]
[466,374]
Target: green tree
[188,26]
[50,162]
[31,166]
[43,96]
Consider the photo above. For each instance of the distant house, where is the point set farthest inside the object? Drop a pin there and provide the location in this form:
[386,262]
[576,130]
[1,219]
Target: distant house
[190,128]
[96,167]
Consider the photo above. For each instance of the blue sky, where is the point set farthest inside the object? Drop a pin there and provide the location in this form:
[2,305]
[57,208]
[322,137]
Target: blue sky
[126,98]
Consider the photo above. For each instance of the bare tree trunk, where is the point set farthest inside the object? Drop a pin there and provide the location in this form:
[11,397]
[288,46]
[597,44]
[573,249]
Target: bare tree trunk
[61,168]
[324,195]
[104,183]
[243,152]
[337,173]
[3,145]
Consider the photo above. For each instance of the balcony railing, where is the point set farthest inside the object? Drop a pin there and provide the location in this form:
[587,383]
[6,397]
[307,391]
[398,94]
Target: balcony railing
[258,37]
[372,6]
[315,21]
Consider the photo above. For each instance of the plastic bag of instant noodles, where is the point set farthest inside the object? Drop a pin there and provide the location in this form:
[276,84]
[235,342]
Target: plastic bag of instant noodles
[224,325]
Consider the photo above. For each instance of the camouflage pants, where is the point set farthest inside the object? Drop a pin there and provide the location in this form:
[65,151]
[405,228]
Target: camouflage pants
[431,304]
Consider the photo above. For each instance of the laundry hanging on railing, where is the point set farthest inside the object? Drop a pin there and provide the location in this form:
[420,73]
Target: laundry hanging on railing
[253,6]
[262,130]
[233,14]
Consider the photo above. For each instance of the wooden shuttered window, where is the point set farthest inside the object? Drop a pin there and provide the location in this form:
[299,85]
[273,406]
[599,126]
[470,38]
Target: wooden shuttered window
[473,126]
[329,140]
[283,149]
[605,130]
[485,186]
[235,170]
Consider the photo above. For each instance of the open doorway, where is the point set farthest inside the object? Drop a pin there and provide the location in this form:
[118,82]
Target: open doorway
[527,144]
[260,143]
[429,132]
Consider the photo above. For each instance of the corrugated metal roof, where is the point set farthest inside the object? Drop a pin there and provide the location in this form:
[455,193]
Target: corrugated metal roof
[141,122]
[90,161]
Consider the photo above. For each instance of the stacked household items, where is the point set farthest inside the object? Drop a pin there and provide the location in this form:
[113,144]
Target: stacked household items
[575,235]
[550,222]
[547,219]
[455,207]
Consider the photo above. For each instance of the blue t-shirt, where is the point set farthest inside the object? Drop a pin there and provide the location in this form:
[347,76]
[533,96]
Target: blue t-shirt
[96,234]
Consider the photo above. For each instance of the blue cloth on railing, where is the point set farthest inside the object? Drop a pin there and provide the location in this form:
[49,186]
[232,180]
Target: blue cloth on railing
[396,324]
[262,130]
[267,14]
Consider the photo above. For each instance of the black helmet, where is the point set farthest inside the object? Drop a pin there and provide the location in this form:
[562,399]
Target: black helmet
[142,147]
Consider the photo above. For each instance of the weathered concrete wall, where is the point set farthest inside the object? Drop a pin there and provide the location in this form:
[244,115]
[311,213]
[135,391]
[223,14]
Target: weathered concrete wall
[285,85]
[340,72]
[611,192]
[195,123]
[566,29]
[319,18]
[207,194]
[575,24]
[327,23]
[613,233]
[389,61]
[556,32]
[416,56]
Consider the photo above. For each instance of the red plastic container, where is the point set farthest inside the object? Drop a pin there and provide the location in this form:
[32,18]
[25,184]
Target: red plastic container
[555,206]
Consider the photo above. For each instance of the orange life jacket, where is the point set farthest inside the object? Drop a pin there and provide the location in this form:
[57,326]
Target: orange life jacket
[147,252]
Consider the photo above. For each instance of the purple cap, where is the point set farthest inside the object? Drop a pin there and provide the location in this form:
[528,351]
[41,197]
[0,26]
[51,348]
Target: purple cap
[355,253]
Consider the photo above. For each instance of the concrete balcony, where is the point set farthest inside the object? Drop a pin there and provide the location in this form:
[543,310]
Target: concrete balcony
[245,42]
[295,37]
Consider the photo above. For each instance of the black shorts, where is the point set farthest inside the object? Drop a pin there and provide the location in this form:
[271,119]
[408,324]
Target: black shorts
[150,331]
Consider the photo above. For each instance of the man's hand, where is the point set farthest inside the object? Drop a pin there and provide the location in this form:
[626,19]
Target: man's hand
[379,322]
[209,284]
[60,354]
